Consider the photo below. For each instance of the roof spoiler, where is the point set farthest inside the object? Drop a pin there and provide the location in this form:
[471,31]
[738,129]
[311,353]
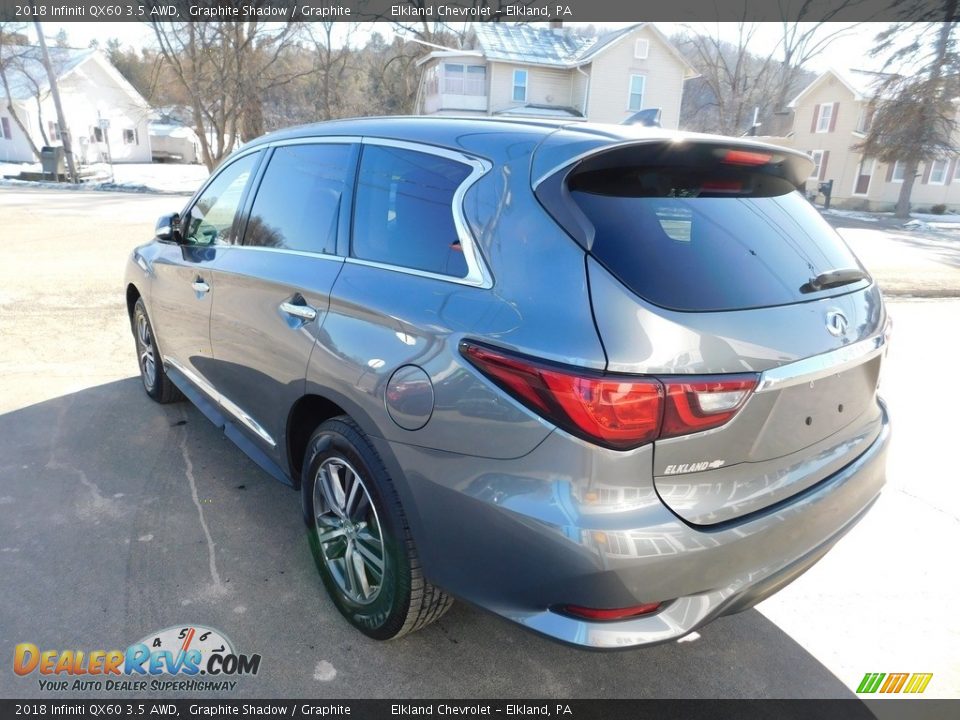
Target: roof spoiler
[727,158]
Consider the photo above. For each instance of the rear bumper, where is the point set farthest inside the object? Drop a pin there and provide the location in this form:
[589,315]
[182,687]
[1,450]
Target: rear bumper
[519,538]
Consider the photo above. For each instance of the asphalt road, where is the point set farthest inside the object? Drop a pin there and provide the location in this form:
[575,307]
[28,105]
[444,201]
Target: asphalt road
[119,517]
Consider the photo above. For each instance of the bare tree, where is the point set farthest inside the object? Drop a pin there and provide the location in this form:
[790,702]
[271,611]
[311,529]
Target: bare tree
[915,116]
[225,67]
[12,47]
[802,42]
[330,63]
[735,79]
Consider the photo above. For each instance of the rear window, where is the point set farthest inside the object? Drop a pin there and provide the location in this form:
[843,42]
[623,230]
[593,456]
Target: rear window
[709,239]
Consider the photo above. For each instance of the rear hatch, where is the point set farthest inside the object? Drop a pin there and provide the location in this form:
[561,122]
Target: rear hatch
[706,266]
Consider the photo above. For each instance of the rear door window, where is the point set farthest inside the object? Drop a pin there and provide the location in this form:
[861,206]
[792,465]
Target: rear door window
[690,245]
[300,198]
[403,213]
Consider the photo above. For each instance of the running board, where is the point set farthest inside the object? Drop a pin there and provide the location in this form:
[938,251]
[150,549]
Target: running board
[233,432]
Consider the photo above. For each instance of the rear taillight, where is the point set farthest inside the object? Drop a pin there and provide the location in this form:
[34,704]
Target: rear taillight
[616,411]
[703,404]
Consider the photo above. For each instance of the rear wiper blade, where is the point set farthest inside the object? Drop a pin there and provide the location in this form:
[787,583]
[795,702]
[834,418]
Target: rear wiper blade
[832,279]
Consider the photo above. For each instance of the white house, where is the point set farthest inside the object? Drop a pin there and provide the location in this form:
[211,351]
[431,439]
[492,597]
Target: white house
[552,72]
[103,112]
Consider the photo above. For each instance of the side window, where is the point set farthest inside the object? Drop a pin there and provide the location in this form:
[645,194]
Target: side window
[211,219]
[298,204]
[404,210]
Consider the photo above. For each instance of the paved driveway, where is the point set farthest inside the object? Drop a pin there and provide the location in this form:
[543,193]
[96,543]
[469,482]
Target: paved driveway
[119,517]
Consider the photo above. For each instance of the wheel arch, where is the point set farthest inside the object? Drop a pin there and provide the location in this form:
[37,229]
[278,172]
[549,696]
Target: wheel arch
[313,409]
[133,294]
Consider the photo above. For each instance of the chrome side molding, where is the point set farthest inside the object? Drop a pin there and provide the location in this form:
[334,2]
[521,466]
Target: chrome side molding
[235,410]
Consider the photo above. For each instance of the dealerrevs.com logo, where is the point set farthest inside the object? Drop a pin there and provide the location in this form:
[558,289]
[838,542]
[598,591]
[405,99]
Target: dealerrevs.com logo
[909,683]
[196,657]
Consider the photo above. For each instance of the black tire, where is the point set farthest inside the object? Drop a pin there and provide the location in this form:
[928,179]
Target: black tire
[403,601]
[152,374]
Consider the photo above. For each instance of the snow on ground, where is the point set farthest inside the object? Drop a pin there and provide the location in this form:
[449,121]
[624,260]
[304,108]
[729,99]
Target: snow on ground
[918,220]
[853,214]
[135,177]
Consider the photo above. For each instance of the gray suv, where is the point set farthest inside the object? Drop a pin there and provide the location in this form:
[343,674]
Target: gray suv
[607,382]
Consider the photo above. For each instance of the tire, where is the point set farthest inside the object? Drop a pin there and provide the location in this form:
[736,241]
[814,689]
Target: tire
[365,524]
[154,377]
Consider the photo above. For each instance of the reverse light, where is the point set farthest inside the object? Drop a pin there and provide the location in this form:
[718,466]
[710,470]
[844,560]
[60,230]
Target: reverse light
[620,412]
[611,614]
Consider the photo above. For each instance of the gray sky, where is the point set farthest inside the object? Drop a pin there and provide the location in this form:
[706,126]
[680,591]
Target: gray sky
[850,51]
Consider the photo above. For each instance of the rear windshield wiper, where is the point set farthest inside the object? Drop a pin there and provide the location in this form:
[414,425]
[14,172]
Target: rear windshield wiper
[832,279]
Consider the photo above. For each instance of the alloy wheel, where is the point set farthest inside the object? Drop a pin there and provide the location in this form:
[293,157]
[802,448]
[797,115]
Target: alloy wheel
[145,351]
[348,531]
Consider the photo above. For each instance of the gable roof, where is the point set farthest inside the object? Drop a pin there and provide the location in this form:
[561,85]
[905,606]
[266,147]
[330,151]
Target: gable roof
[560,48]
[24,63]
[862,84]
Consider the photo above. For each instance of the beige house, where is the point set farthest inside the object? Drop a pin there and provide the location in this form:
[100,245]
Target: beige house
[830,117]
[550,72]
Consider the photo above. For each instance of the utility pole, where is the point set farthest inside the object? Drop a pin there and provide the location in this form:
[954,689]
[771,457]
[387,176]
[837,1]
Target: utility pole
[55,92]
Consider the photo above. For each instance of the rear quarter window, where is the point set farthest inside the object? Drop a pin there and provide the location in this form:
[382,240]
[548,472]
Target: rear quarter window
[404,210]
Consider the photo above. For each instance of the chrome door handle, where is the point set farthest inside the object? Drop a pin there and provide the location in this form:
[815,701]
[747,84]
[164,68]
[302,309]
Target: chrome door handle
[200,286]
[301,311]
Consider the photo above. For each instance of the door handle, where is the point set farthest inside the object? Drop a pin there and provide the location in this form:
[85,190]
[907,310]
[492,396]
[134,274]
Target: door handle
[201,287]
[304,312]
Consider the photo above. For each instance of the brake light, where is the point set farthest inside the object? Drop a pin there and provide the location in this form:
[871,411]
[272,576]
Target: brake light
[611,614]
[616,411]
[745,157]
[619,413]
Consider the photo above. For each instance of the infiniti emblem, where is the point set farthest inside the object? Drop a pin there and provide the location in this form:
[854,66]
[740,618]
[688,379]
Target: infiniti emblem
[836,323]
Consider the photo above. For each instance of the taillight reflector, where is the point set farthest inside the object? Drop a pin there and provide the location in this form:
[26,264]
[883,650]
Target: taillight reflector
[616,411]
[611,614]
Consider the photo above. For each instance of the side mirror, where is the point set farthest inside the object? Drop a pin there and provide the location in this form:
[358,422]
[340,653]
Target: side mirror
[168,227]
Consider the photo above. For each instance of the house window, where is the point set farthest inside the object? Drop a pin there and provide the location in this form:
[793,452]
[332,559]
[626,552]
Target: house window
[637,84]
[641,49]
[131,137]
[464,79]
[861,184]
[899,171]
[865,120]
[824,118]
[54,131]
[817,157]
[938,172]
[96,134]
[5,128]
[519,85]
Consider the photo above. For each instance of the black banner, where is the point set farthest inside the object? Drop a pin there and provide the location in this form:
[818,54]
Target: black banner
[472,10]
